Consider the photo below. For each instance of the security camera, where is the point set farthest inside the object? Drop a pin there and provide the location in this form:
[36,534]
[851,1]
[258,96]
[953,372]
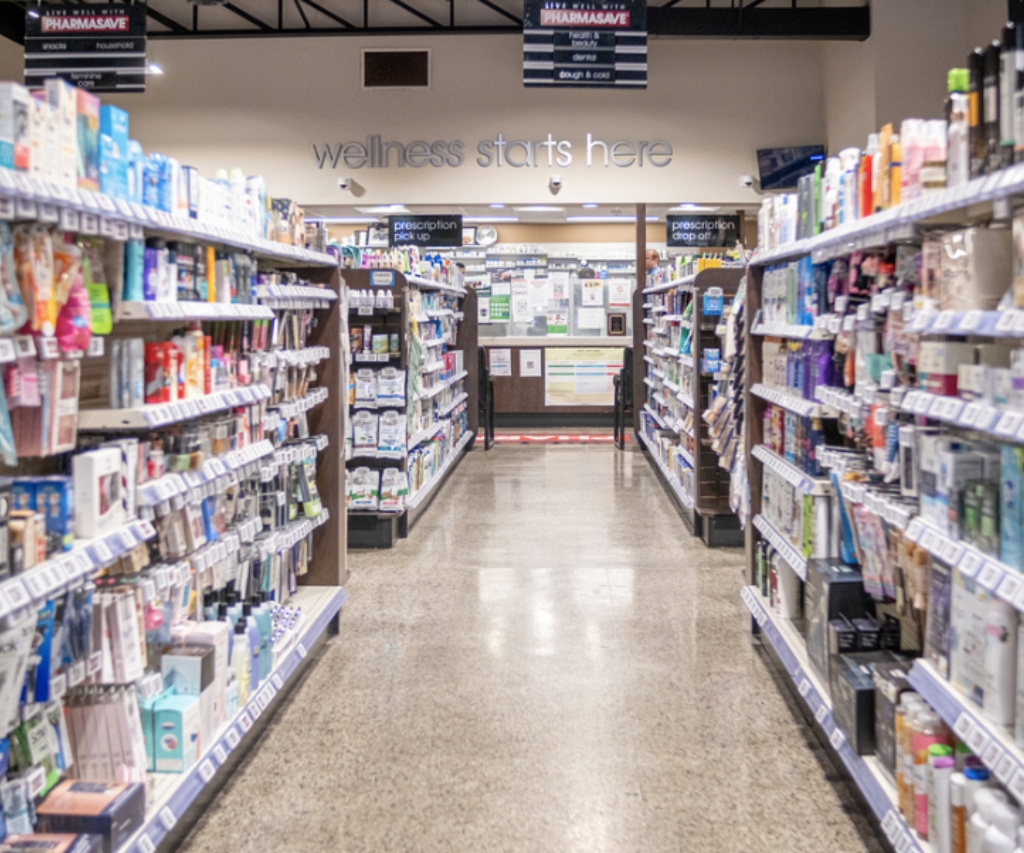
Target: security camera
[344,184]
[555,184]
[747,181]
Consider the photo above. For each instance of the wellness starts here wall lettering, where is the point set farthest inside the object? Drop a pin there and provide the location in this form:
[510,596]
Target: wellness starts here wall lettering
[498,152]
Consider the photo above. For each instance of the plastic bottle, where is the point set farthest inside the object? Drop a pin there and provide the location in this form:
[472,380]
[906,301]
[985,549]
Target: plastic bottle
[939,817]
[985,801]
[976,110]
[993,54]
[932,178]
[907,701]
[241,661]
[928,730]
[866,204]
[958,141]
[849,161]
[912,138]
[999,698]
[253,637]
[958,813]
[896,171]
[1009,62]
[1001,834]
[265,624]
[975,779]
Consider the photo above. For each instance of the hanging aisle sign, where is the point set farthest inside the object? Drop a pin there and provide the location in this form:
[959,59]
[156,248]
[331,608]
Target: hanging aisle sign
[430,231]
[702,230]
[100,48]
[590,43]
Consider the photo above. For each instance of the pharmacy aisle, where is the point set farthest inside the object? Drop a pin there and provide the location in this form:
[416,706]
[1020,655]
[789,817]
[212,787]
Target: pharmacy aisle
[524,676]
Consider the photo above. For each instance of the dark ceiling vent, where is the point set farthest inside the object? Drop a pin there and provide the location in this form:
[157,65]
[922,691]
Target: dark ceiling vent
[396,69]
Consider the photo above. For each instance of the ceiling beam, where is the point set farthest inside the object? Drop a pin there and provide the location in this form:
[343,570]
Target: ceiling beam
[336,18]
[418,14]
[170,23]
[845,23]
[252,19]
[500,11]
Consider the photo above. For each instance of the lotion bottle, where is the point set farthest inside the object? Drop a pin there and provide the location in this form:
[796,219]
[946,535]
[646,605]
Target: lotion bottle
[241,661]
[999,699]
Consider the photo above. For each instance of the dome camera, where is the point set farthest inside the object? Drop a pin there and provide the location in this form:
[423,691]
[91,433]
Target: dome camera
[344,184]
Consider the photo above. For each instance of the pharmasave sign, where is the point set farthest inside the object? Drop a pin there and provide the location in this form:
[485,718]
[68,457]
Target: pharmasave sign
[101,48]
[376,153]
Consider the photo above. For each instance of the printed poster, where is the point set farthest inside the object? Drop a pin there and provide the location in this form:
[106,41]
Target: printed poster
[593,292]
[522,312]
[580,376]
[618,291]
[500,361]
[529,363]
[538,292]
[590,318]
[499,302]
[559,285]
[558,323]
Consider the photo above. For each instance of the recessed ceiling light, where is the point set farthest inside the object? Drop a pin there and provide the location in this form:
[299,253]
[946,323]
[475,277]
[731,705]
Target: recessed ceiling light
[32,13]
[599,219]
[153,68]
[695,208]
[497,205]
[479,219]
[590,204]
[540,208]
[342,220]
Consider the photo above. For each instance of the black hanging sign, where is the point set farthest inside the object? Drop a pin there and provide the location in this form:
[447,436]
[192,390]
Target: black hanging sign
[702,230]
[100,48]
[589,43]
[432,231]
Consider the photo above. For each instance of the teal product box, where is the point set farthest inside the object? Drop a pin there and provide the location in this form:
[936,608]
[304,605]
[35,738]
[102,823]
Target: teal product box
[135,167]
[175,733]
[1011,507]
[147,711]
[114,123]
[55,499]
[114,152]
[713,302]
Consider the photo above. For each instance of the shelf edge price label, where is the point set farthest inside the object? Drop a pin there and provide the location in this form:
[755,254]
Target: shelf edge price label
[837,738]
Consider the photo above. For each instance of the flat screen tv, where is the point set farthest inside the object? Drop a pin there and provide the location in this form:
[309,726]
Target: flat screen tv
[781,168]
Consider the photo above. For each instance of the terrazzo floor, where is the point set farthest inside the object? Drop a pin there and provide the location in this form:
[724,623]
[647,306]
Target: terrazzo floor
[550,663]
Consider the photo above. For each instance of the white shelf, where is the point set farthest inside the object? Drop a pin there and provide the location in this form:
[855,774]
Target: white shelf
[791,331]
[295,407]
[424,490]
[992,743]
[792,403]
[174,311]
[172,794]
[686,360]
[162,414]
[779,542]
[684,496]
[1002,580]
[25,197]
[284,296]
[685,399]
[436,342]
[802,482]
[440,386]
[434,313]
[998,423]
[423,435]
[433,368]
[427,284]
[685,281]
[900,222]
[69,569]
[656,417]
[687,456]
[213,469]
[302,357]
[865,771]
[877,502]
[447,410]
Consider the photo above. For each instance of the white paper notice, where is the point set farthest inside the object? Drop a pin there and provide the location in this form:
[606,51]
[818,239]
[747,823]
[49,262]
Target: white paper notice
[521,310]
[559,285]
[618,291]
[593,292]
[500,362]
[589,318]
[529,362]
[537,289]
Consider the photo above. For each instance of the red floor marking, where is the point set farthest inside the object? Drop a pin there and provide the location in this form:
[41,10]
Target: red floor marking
[563,438]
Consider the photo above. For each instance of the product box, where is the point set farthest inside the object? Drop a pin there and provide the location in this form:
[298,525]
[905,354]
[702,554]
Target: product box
[111,810]
[88,112]
[114,152]
[833,590]
[189,670]
[176,733]
[15,129]
[1011,507]
[99,498]
[853,697]
[64,103]
[52,842]
[147,714]
[956,469]
[55,499]
[890,683]
[937,636]
[975,266]
[215,635]
[45,116]
[939,363]
[969,609]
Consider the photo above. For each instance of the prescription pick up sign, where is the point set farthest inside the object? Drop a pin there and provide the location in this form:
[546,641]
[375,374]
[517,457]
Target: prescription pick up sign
[702,230]
[433,231]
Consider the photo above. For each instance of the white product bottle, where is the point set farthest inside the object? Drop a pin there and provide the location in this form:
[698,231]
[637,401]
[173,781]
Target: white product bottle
[241,661]
[999,698]
[939,816]
[1002,832]
[830,194]
[958,153]
[985,802]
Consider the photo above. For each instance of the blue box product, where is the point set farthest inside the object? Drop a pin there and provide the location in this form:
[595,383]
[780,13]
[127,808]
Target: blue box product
[1011,507]
[713,302]
[55,499]
[112,810]
[114,152]
[23,494]
[176,733]
[147,712]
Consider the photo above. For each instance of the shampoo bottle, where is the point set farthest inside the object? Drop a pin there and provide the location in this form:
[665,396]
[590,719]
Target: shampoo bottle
[253,638]
[958,813]
[928,730]
[976,110]
[939,816]
[985,802]
[999,699]
[241,661]
[990,80]
[265,623]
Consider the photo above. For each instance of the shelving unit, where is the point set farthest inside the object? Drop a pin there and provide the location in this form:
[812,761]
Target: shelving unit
[789,650]
[679,392]
[440,403]
[296,428]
